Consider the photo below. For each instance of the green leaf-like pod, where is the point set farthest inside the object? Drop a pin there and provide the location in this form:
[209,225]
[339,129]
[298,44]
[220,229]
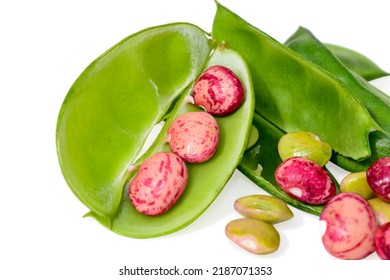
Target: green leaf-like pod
[114,105]
[357,62]
[205,180]
[295,94]
[376,102]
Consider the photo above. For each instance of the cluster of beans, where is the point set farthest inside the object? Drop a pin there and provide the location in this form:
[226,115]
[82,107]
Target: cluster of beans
[301,174]
[358,218]
[193,137]
[255,232]
[373,186]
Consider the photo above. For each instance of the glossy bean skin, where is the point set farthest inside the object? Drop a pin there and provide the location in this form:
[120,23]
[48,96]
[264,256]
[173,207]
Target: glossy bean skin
[304,144]
[381,210]
[305,180]
[263,207]
[219,91]
[292,103]
[194,136]
[356,182]
[350,227]
[253,235]
[382,241]
[159,183]
[378,177]
[260,162]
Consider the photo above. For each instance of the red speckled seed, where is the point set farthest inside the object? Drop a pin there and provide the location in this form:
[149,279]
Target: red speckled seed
[378,177]
[350,227]
[305,180]
[219,91]
[382,241]
[194,136]
[159,183]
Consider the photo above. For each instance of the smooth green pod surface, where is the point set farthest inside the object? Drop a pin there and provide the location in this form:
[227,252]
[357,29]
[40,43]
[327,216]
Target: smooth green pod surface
[206,180]
[376,102]
[114,105]
[295,94]
[357,62]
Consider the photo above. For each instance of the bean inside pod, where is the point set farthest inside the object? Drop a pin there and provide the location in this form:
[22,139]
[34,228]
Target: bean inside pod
[99,177]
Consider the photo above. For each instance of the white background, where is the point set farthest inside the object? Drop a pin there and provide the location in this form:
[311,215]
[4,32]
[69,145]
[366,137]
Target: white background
[44,46]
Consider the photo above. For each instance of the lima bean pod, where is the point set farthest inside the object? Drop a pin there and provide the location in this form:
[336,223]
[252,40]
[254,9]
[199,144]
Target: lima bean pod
[203,186]
[302,78]
[376,102]
[147,76]
[357,62]
[290,89]
[98,130]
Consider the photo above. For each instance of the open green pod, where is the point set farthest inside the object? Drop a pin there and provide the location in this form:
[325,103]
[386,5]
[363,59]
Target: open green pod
[115,104]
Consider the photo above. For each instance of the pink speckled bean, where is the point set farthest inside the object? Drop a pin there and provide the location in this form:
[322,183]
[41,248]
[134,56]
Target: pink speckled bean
[305,180]
[378,177]
[194,136]
[350,227]
[382,241]
[218,90]
[159,183]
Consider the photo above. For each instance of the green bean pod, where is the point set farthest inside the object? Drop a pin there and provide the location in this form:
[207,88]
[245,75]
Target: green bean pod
[357,62]
[295,94]
[376,102]
[113,106]
[99,132]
